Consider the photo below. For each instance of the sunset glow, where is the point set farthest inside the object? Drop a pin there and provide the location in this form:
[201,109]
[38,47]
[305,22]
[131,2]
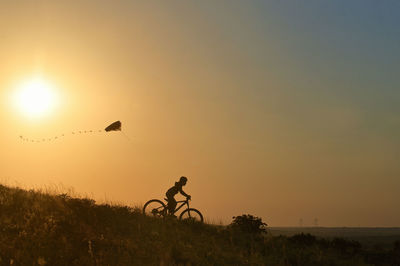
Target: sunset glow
[287,110]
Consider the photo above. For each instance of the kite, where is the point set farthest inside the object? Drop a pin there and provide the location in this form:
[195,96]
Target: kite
[115,126]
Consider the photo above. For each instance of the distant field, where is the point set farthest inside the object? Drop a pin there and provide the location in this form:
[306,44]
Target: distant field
[367,236]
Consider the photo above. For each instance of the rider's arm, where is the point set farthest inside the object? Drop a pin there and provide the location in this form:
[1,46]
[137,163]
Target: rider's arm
[184,194]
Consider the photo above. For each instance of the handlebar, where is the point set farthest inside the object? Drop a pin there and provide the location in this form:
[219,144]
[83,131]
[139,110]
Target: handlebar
[186,200]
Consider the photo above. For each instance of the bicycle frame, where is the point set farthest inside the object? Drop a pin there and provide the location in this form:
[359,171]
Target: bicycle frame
[184,202]
[162,209]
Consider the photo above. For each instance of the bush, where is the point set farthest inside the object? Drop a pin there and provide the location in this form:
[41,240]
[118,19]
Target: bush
[249,224]
[303,239]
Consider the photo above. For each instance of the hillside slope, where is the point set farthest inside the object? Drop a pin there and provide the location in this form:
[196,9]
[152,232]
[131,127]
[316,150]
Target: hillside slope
[44,229]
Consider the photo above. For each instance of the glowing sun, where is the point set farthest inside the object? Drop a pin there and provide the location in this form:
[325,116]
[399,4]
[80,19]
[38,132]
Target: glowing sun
[35,98]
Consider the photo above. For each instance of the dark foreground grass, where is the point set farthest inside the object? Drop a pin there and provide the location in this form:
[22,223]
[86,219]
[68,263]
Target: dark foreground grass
[42,229]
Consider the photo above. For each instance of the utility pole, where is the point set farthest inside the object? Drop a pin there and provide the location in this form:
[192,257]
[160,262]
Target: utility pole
[315,222]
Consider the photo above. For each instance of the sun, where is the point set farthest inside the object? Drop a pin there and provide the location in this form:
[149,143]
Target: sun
[35,98]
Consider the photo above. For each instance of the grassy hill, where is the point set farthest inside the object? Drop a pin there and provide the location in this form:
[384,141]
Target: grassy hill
[43,229]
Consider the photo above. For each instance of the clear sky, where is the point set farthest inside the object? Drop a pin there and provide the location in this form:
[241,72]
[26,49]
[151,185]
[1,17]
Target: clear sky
[286,110]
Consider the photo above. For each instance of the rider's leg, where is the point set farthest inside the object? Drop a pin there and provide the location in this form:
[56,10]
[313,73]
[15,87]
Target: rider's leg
[171,205]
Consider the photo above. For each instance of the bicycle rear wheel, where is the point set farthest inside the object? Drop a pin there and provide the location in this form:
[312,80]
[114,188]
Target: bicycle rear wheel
[155,208]
[191,214]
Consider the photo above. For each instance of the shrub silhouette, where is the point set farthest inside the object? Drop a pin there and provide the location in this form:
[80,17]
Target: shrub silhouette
[346,246]
[303,239]
[249,224]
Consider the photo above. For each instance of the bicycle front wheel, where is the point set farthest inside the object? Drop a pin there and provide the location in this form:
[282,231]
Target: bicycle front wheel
[155,208]
[191,214]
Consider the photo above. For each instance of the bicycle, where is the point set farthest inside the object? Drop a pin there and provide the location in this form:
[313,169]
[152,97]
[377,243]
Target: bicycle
[157,208]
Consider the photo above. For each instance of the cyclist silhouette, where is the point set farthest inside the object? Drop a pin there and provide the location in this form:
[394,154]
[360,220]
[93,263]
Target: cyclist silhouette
[173,191]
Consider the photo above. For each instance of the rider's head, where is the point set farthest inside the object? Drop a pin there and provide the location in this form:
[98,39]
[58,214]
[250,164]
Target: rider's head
[183,180]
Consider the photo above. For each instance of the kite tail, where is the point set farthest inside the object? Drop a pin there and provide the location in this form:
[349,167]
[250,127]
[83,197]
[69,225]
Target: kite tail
[60,136]
[116,126]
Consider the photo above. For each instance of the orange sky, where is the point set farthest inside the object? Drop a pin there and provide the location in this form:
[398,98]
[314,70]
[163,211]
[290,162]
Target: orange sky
[220,94]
